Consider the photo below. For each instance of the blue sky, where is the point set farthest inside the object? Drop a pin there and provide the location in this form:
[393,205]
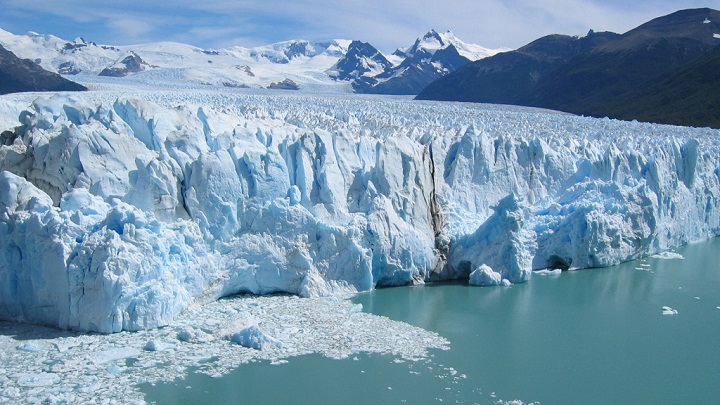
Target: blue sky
[387,24]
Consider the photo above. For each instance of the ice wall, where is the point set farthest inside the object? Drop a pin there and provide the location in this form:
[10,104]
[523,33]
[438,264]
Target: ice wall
[117,215]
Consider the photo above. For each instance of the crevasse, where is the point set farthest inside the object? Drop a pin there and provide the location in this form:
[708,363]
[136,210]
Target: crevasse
[117,215]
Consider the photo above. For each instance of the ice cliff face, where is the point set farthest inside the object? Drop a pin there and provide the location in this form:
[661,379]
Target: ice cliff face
[117,215]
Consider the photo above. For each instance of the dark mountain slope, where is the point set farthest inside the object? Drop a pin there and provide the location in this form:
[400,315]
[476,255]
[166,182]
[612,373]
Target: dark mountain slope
[610,77]
[588,82]
[507,78]
[690,96]
[19,75]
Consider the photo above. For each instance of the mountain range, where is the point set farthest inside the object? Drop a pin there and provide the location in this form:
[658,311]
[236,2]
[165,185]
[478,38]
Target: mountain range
[331,66]
[666,70]
[429,58]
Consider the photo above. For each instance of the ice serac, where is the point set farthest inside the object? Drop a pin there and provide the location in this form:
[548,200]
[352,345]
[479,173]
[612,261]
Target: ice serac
[499,250]
[118,215]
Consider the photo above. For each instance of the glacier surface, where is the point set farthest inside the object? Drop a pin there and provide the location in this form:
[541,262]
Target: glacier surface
[120,210]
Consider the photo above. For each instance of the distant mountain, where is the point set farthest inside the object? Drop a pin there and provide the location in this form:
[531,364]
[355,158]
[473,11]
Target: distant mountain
[430,57]
[508,77]
[688,96]
[303,62]
[601,74]
[127,65]
[432,42]
[330,66]
[286,84]
[361,59]
[20,75]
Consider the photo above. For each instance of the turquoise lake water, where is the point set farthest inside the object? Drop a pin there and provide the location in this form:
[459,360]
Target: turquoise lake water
[583,337]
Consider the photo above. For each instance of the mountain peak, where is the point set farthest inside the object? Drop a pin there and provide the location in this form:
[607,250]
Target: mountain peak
[361,59]
[431,35]
[432,41]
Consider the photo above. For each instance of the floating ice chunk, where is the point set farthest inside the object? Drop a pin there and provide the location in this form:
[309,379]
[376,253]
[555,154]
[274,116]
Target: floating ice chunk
[29,347]
[254,338]
[484,275]
[193,335]
[548,272]
[115,370]
[244,330]
[669,311]
[668,256]
[110,355]
[158,345]
[38,380]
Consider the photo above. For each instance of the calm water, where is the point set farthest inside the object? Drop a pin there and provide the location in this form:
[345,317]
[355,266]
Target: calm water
[587,337]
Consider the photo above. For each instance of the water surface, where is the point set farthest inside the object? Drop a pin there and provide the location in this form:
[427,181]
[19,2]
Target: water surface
[584,337]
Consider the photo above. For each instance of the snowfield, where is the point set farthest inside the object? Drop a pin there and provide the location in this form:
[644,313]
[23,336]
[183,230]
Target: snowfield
[121,208]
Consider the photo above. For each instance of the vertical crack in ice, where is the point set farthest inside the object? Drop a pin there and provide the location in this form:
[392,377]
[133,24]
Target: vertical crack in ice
[436,217]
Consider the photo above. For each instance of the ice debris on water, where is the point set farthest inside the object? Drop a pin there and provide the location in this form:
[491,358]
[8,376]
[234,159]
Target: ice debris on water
[668,256]
[246,332]
[669,311]
[92,367]
[547,272]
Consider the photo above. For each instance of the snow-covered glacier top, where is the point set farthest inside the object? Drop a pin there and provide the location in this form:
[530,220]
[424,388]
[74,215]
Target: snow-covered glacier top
[117,213]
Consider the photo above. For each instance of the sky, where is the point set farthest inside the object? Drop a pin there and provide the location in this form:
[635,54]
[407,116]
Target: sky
[386,24]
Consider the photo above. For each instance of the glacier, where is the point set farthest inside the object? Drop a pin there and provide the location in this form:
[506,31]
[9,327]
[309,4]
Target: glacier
[121,209]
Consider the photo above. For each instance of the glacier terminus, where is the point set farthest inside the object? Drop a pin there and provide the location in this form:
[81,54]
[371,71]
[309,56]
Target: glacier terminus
[120,210]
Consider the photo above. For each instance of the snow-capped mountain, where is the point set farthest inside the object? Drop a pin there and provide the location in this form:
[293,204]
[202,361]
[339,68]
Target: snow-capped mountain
[361,59]
[128,65]
[300,61]
[432,42]
[430,57]
[332,66]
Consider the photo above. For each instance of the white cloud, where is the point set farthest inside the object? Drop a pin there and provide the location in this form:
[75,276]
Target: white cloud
[129,27]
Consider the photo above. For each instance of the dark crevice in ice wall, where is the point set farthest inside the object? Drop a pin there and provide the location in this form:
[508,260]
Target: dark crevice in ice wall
[436,218]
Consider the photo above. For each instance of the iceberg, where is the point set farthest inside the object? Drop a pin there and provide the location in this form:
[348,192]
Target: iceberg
[119,213]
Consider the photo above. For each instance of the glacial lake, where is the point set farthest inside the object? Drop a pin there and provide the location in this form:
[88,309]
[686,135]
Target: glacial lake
[599,336]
